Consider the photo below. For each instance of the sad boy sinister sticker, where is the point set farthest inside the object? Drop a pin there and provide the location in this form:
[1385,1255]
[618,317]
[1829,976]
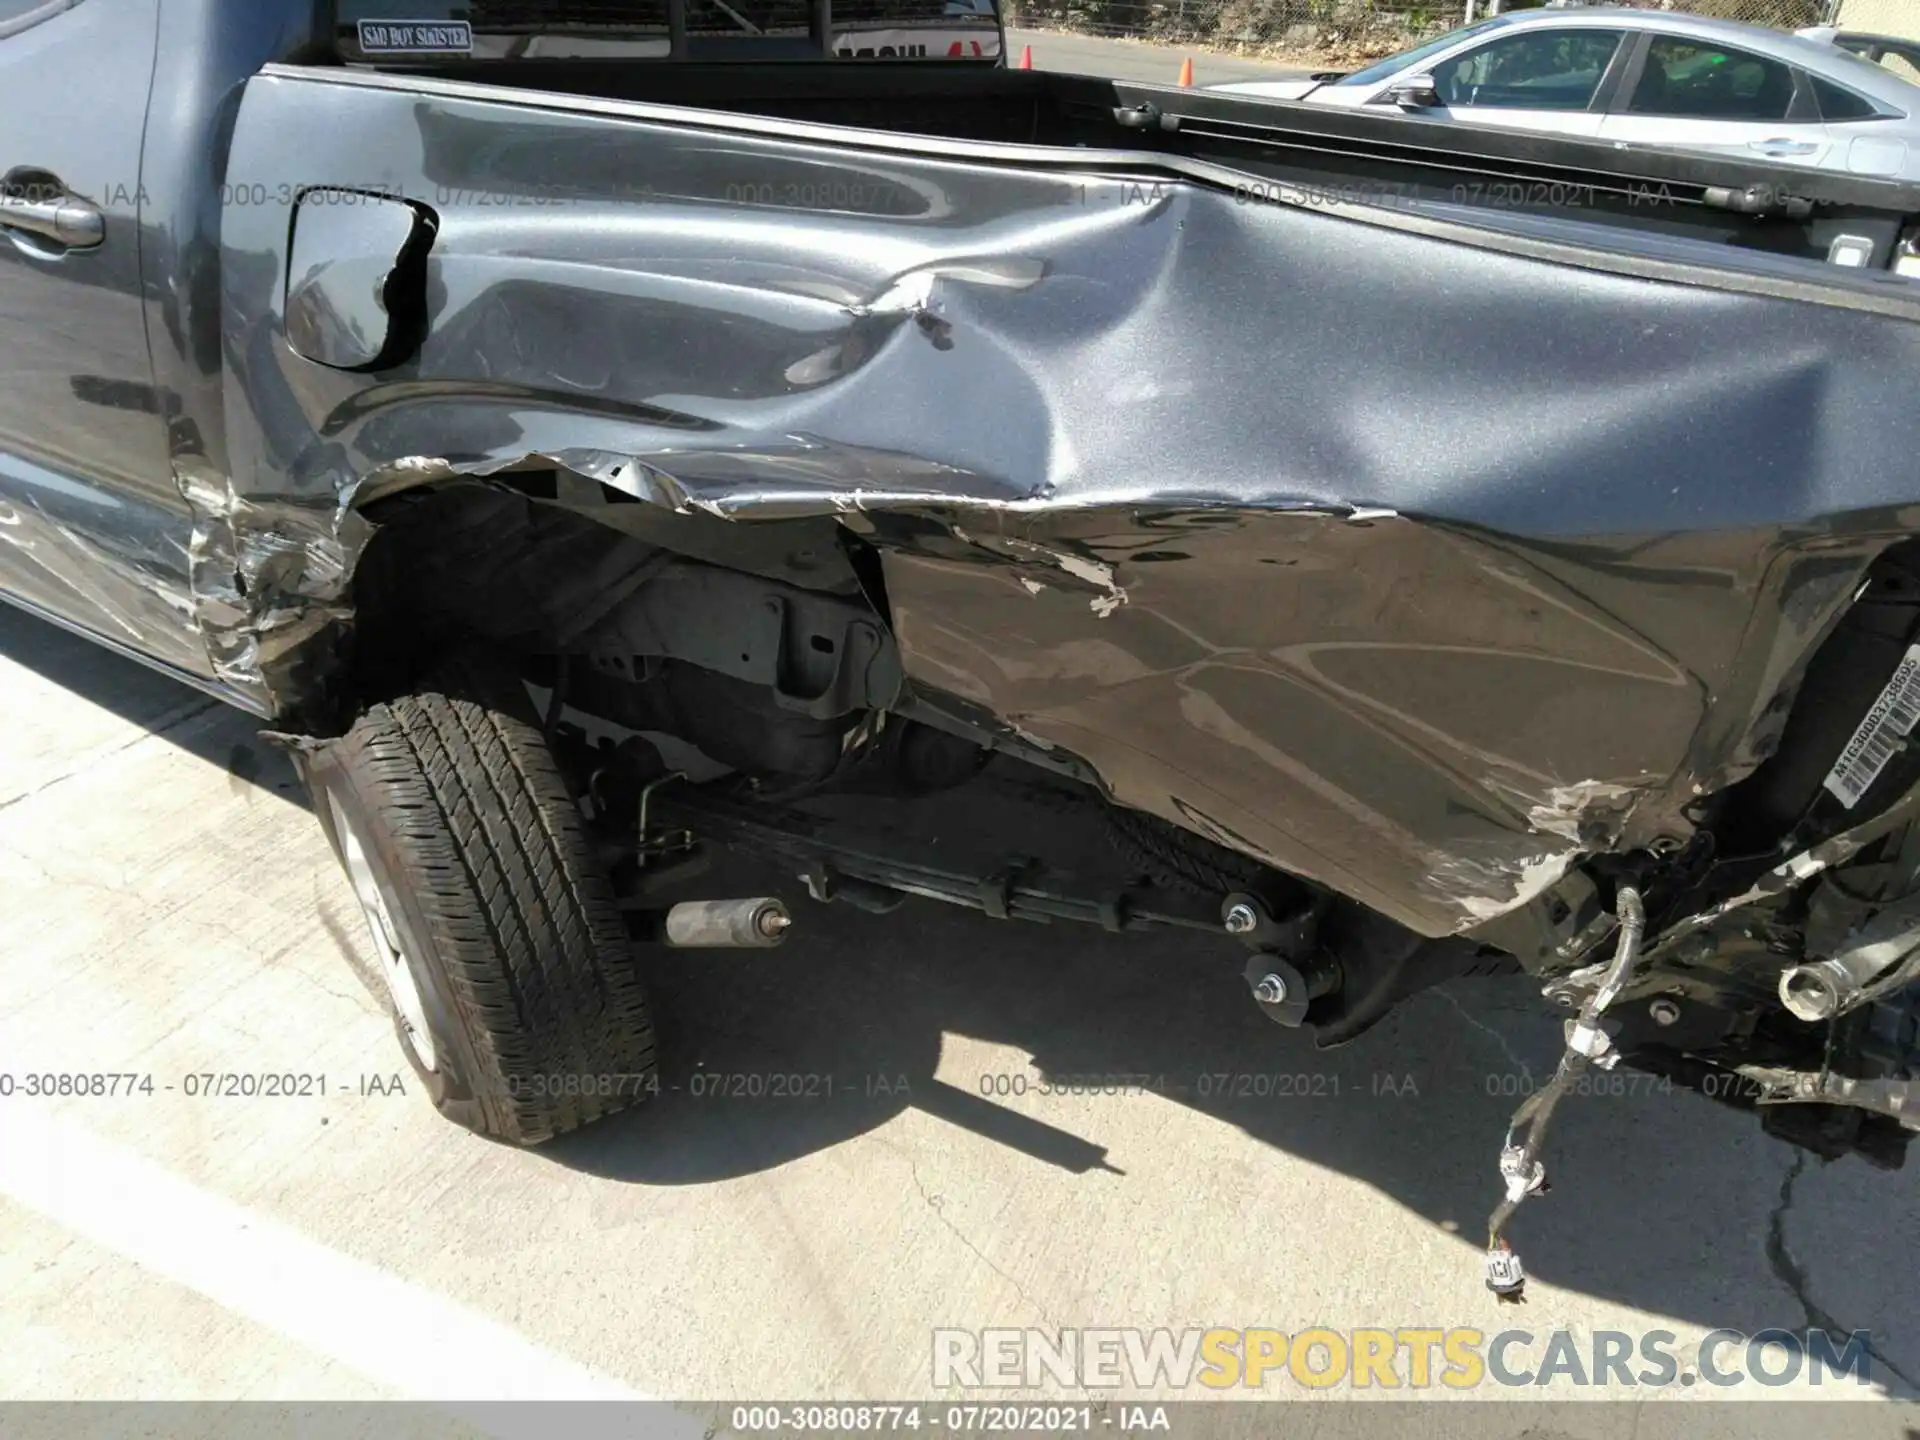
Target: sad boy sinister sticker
[415,37]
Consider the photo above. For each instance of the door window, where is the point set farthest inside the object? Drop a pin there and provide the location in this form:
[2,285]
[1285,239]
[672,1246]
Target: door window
[1538,70]
[1692,80]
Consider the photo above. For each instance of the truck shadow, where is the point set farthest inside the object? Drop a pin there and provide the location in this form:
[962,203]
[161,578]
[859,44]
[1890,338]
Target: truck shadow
[152,700]
[1661,1200]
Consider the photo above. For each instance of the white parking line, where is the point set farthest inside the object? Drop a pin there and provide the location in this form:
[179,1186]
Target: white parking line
[420,1344]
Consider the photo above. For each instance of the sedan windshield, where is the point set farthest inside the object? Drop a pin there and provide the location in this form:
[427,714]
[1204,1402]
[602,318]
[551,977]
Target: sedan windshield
[1381,69]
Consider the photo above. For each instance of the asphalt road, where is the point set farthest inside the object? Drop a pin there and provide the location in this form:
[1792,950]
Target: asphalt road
[1137,60]
[172,913]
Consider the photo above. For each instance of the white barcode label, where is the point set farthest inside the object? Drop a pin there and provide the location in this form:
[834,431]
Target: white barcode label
[1879,737]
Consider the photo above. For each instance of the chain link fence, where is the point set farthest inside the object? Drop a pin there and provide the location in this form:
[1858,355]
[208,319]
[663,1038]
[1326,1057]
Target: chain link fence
[1351,32]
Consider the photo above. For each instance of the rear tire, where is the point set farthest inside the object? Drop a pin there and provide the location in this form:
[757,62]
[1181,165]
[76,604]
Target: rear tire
[508,965]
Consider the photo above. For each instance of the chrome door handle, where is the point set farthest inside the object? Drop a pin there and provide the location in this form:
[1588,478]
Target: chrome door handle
[1783,146]
[69,222]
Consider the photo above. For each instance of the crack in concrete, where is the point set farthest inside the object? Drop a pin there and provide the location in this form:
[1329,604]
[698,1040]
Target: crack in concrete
[1790,1273]
[1477,1023]
[362,970]
[171,720]
[933,1203]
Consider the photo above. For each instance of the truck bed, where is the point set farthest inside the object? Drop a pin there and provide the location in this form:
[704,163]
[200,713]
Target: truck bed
[1264,151]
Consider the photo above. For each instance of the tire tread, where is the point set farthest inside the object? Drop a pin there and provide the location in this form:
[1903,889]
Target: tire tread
[533,948]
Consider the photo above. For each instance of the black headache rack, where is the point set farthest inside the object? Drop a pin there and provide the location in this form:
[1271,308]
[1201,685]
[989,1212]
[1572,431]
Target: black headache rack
[404,34]
[1335,157]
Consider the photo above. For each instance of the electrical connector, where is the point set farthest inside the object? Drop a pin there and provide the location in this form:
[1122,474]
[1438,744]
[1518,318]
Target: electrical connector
[1506,1277]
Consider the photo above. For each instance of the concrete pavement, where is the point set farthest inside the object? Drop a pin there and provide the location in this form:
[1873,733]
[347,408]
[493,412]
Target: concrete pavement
[173,915]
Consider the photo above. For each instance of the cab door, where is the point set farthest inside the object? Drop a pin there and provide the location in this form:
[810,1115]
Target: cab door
[92,530]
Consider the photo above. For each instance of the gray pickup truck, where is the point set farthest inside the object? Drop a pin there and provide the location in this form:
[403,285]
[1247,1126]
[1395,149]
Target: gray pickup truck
[589,435]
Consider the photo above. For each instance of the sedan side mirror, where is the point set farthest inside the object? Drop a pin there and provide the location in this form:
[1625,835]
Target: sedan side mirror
[1416,92]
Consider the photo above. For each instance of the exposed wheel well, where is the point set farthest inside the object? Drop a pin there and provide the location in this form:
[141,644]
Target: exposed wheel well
[769,639]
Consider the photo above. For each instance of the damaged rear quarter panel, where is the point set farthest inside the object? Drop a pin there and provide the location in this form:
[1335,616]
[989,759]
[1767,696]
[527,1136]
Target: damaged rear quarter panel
[1412,567]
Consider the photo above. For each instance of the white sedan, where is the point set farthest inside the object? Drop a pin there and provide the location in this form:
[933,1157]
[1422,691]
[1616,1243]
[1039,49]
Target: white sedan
[1645,78]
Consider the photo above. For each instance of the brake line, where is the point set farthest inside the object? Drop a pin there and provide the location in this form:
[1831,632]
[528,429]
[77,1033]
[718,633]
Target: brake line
[1521,1168]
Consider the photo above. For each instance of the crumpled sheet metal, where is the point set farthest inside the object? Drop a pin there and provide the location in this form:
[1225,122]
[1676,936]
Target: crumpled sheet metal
[1409,566]
[271,587]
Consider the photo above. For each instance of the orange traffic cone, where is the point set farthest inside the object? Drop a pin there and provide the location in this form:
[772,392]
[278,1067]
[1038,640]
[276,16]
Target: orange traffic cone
[1026,57]
[1186,71]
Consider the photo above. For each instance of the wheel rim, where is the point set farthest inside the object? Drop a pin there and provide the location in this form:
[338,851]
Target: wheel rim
[403,989]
